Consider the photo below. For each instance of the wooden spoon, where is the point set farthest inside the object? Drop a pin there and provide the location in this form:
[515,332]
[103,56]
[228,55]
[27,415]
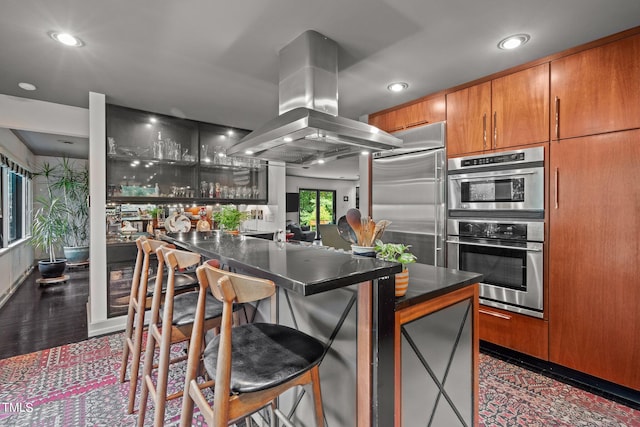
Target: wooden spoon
[369,232]
[380,226]
[354,219]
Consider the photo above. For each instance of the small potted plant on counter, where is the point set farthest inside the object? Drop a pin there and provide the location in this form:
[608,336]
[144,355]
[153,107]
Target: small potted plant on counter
[397,252]
[229,218]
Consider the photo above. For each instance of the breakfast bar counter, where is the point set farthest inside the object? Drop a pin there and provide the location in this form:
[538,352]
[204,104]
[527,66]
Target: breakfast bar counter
[348,302]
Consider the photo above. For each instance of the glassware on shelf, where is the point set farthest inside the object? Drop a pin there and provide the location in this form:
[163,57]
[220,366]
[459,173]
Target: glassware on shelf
[159,147]
[112,145]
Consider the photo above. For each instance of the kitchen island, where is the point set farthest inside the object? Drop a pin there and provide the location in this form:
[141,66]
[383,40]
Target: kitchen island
[348,302]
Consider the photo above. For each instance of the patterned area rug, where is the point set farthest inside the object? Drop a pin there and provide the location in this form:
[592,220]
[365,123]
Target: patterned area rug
[77,385]
[513,396]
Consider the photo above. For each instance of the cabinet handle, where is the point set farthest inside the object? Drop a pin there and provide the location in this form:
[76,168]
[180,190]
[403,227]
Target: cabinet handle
[556,181]
[557,118]
[418,123]
[484,131]
[494,314]
[495,129]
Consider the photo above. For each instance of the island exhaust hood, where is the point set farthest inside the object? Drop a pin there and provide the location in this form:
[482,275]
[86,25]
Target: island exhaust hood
[308,127]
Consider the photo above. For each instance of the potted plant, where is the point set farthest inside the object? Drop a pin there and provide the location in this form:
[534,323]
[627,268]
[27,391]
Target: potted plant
[397,252]
[155,215]
[48,230]
[229,218]
[72,185]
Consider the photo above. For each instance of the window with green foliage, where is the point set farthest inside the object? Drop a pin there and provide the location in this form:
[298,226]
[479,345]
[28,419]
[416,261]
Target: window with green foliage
[15,197]
[317,206]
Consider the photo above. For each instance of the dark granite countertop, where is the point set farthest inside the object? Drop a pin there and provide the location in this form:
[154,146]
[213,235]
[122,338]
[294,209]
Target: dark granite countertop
[427,282]
[305,269]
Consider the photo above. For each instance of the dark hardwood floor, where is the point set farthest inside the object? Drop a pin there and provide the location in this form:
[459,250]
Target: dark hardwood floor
[42,316]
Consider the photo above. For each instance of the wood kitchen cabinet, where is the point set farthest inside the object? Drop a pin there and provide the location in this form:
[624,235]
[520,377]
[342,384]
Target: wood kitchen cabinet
[594,320]
[520,103]
[517,332]
[508,111]
[421,112]
[468,120]
[597,90]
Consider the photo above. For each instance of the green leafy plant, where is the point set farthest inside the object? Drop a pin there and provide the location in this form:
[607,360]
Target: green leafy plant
[396,252]
[73,183]
[49,225]
[229,217]
[70,184]
[155,212]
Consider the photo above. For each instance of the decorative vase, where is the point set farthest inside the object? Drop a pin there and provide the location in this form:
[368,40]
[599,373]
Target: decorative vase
[402,283]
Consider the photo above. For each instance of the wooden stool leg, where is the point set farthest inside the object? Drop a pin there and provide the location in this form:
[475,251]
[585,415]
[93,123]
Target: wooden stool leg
[127,337]
[146,373]
[131,312]
[317,396]
[135,361]
[163,376]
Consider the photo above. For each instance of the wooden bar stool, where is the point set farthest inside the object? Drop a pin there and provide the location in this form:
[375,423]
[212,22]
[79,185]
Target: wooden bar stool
[139,301]
[251,364]
[171,323]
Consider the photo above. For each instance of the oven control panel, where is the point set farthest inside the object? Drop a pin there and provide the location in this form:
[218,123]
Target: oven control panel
[513,230]
[493,230]
[489,160]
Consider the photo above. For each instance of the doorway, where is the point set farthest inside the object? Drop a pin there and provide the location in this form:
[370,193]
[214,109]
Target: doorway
[317,207]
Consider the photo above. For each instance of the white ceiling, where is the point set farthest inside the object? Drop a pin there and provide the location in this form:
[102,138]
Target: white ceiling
[217,61]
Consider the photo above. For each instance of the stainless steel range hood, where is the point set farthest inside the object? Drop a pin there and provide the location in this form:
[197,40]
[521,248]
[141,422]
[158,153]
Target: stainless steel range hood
[309,127]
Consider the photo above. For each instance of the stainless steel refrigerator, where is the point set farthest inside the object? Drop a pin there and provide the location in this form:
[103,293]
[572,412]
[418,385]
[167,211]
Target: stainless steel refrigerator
[408,188]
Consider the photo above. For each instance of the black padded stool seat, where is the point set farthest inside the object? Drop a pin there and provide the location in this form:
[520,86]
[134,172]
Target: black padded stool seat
[183,283]
[265,355]
[184,308]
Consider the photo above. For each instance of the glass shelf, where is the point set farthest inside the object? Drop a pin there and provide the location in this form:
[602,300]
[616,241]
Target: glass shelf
[159,159]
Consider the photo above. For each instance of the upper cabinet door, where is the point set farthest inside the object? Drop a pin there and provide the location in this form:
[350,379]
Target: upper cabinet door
[418,113]
[385,121]
[521,108]
[597,90]
[469,120]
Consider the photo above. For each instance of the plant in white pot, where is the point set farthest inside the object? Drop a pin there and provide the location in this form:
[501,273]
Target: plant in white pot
[397,252]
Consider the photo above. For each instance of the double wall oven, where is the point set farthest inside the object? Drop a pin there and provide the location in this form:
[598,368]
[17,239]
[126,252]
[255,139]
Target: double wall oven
[496,226]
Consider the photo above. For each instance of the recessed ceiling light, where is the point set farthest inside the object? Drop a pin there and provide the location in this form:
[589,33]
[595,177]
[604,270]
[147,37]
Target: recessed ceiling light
[153,120]
[321,161]
[398,86]
[26,86]
[514,41]
[248,152]
[66,39]
[287,139]
[364,153]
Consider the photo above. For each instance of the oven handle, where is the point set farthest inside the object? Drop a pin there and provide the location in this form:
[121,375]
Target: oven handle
[494,246]
[491,175]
